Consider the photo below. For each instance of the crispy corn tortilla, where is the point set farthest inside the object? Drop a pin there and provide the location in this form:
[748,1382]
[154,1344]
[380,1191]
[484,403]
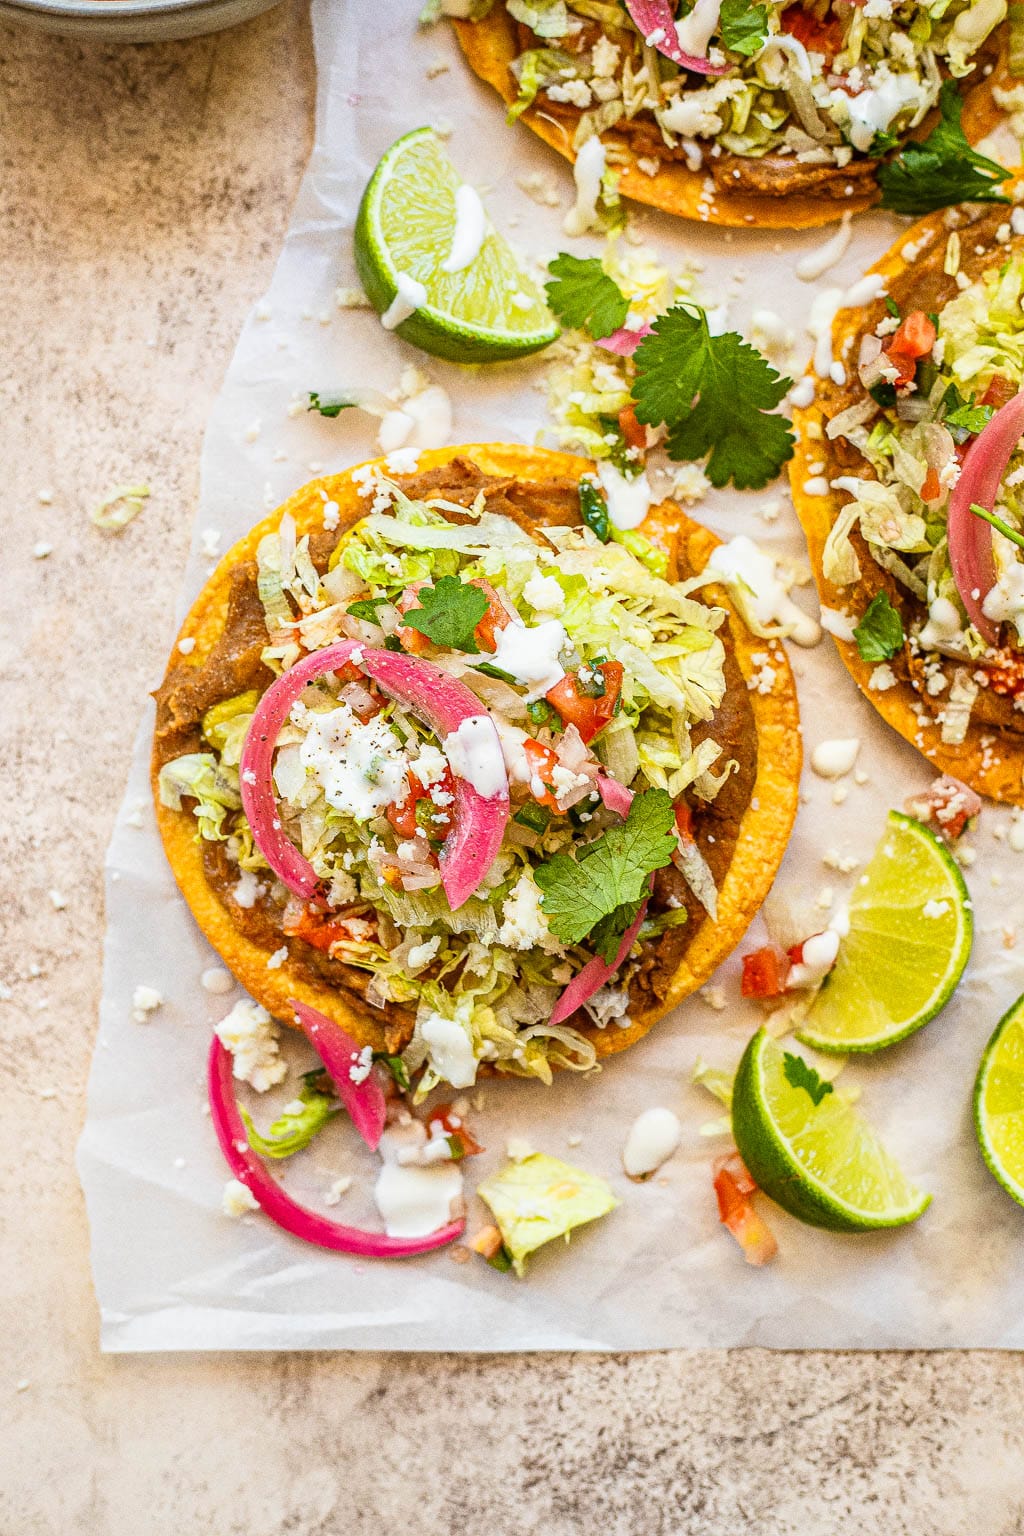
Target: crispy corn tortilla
[991,758]
[762,835]
[492,44]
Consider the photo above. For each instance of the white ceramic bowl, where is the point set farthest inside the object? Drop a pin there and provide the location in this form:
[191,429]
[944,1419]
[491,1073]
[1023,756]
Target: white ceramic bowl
[131,21]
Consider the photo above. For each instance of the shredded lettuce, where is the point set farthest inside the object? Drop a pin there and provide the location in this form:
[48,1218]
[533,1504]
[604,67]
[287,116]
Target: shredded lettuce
[198,776]
[539,1198]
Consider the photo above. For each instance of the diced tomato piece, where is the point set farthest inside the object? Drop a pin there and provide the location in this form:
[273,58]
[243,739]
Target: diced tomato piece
[824,37]
[1007,677]
[734,1188]
[930,487]
[946,806]
[763,973]
[631,429]
[408,638]
[542,761]
[454,1125]
[795,953]
[496,617]
[999,391]
[323,931]
[402,815]
[913,340]
[684,821]
[915,336]
[405,814]
[577,707]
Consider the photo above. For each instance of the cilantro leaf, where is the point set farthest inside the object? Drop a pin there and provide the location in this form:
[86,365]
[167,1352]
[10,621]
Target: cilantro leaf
[942,169]
[366,609]
[583,296]
[744,27]
[714,394]
[879,635]
[449,612]
[964,413]
[606,936]
[608,878]
[799,1074]
[290,1133]
[328,405]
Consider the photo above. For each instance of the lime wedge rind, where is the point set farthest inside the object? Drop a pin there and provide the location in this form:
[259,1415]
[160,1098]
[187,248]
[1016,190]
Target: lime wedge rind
[999,1102]
[833,1026]
[417,173]
[838,1147]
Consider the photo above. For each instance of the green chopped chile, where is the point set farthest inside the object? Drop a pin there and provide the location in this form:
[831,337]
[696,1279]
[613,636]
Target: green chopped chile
[594,510]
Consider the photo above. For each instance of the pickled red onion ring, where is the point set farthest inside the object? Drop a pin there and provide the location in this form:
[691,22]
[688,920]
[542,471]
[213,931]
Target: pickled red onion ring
[365,1102]
[970,537]
[615,796]
[594,974]
[285,1212]
[625,340]
[444,703]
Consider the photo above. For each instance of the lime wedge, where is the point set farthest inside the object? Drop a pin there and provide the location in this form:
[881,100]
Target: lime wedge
[819,1160]
[910,937]
[999,1102]
[489,310]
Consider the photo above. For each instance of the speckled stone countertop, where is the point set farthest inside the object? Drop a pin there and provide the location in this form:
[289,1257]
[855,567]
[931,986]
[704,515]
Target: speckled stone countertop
[144,193]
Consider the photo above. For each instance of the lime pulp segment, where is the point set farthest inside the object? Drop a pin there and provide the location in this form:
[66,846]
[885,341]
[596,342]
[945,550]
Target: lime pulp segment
[910,937]
[822,1161]
[489,310]
[999,1102]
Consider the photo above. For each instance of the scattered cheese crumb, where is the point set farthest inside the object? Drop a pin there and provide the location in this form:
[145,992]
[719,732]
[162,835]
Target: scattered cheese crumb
[187,646]
[238,1199]
[341,1186]
[216,980]
[145,1000]
[278,958]
[41,550]
[58,901]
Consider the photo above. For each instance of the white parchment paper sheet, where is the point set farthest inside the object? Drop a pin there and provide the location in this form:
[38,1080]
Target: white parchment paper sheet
[171,1271]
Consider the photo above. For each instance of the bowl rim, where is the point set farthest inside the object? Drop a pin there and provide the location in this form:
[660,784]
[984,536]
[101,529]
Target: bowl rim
[109,10]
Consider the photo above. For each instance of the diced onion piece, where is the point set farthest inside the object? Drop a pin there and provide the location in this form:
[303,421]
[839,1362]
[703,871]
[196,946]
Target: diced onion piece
[287,1213]
[337,1050]
[970,537]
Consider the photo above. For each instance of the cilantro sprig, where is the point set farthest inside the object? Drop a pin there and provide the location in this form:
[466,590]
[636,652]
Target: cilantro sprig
[799,1074]
[961,412]
[328,405]
[448,614]
[600,891]
[879,635]
[714,393]
[584,297]
[942,169]
[744,27]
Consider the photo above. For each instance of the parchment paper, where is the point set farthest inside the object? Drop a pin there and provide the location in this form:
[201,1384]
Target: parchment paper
[171,1271]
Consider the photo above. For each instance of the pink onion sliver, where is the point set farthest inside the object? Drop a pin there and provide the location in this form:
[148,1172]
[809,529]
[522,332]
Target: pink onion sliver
[444,703]
[365,1102]
[652,16]
[625,340]
[594,975]
[970,537]
[616,796]
[281,1208]
[256,768]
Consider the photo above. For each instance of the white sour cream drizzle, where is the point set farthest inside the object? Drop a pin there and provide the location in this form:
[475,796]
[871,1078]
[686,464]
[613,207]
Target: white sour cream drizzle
[833,759]
[474,753]
[529,653]
[450,1050]
[695,30]
[628,500]
[470,227]
[415,1201]
[819,956]
[653,1137]
[410,297]
[587,172]
[810,267]
[740,561]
